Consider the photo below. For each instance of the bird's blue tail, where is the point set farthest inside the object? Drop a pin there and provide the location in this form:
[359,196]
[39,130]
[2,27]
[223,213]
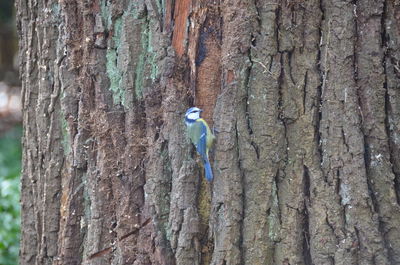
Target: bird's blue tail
[207,167]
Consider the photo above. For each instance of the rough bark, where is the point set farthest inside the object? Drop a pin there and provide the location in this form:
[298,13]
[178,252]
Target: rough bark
[305,98]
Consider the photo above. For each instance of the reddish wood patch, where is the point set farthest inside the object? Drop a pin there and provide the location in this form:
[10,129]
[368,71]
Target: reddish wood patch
[181,13]
[205,53]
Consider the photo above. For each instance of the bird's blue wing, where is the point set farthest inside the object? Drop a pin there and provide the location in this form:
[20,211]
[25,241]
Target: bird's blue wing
[202,142]
[198,134]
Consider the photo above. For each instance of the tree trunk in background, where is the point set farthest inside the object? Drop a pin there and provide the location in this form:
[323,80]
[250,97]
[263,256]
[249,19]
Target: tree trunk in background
[305,96]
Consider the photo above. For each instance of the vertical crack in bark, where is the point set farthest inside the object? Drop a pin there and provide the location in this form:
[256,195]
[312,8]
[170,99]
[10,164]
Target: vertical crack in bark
[319,99]
[358,242]
[242,177]
[246,99]
[355,43]
[306,219]
[247,117]
[306,238]
[388,112]
[306,179]
[305,91]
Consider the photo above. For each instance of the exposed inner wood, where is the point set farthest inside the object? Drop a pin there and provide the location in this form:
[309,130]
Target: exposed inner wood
[181,13]
[208,63]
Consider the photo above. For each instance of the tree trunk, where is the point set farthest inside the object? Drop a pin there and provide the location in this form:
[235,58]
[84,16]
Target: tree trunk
[305,96]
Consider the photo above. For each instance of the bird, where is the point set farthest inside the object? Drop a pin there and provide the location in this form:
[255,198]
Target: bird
[201,136]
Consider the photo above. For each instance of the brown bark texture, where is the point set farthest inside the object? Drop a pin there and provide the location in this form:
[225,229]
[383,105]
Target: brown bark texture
[305,96]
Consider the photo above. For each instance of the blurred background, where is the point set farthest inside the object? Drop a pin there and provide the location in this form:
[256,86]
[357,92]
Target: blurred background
[10,136]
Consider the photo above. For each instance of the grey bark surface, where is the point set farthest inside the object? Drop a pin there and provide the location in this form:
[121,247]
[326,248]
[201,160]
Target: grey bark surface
[305,96]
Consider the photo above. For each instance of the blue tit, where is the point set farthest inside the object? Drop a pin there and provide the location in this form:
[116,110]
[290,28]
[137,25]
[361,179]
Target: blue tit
[201,136]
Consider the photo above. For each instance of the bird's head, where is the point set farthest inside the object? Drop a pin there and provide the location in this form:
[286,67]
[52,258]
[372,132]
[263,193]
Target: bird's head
[192,114]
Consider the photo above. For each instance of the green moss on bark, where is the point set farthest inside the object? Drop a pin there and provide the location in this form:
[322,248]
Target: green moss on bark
[114,73]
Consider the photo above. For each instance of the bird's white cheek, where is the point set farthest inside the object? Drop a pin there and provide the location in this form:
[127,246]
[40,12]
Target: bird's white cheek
[193,116]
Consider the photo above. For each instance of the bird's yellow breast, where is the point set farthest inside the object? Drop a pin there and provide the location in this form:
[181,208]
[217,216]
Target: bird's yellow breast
[210,136]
